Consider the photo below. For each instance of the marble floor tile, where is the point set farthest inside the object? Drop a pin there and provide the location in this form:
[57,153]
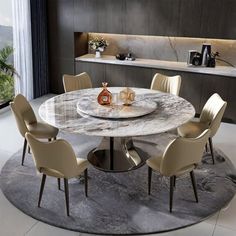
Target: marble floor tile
[12,221]
[227,216]
[41,228]
[4,156]
[202,228]
[221,231]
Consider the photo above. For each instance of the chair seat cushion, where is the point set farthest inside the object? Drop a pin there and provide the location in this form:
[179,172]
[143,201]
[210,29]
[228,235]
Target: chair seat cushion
[154,162]
[42,130]
[82,165]
[192,129]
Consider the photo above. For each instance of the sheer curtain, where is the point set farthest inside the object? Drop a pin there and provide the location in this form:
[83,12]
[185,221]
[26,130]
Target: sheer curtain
[22,43]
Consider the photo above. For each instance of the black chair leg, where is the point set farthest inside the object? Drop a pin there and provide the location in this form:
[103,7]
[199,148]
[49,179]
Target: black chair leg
[86,182]
[172,180]
[49,140]
[41,189]
[24,150]
[149,179]
[206,148]
[194,185]
[67,196]
[59,183]
[212,151]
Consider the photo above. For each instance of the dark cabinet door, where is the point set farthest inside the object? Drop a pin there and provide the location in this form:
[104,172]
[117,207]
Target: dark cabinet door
[214,84]
[85,15]
[164,17]
[136,17]
[218,19]
[60,28]
[57,68]
[230,111]
[138,77]
[110,16]
[96,72]
[190,18]
[115,75]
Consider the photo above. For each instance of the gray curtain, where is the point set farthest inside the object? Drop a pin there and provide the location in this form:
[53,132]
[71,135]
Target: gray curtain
[39,47]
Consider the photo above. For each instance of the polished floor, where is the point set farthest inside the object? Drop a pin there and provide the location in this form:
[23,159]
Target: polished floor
[15,223]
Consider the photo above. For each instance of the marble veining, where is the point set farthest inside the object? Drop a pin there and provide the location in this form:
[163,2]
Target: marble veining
[171,112]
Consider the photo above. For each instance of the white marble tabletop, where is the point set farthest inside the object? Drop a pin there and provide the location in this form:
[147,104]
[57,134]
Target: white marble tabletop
[171,112]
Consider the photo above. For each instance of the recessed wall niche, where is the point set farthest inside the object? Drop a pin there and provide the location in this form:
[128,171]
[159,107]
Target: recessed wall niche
[156,47]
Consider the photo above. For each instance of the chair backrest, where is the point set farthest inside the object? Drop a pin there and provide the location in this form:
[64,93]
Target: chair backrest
[57,155]
[213,112]
[76,82]
[167,84]
[23,113]
[183,153]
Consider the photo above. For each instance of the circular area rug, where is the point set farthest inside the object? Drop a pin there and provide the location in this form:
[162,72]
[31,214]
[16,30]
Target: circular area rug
[118,203]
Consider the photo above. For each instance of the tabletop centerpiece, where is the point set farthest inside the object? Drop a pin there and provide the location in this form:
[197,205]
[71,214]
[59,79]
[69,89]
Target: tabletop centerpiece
[127,95]
[105,96]
[99,45]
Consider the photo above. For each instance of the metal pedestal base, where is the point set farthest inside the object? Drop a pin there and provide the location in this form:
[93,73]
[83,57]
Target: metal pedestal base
[117,155]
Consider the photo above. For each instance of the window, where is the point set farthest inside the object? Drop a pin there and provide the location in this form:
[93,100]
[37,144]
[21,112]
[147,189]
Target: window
[6,51]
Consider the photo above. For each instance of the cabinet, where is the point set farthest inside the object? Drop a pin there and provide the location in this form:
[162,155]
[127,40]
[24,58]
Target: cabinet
[190,18]
[96,72]
[60,28]
[136,17]
[110,16]
[85,15]
[164,17]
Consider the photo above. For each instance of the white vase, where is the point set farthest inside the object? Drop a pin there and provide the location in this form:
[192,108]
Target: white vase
[98,54]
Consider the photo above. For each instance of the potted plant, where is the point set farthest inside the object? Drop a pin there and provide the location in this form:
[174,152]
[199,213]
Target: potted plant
[98,44]
[7,72]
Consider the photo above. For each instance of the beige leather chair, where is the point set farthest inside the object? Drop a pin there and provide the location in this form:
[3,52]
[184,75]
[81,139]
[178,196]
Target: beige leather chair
[167,84]
[210,118]
[57,159]
[27,122]
[76,82]
[181,156]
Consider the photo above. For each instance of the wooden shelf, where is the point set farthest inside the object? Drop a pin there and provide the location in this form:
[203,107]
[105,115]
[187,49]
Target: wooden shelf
[158,64]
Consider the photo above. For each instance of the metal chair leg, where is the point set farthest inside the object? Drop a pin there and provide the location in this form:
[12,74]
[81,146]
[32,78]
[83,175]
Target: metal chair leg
[86,182]
[172,180]
[212,151]
[41,189]
[149,179]
[59,183]
[67,196]
[24,150]
[206,147]
[194,185]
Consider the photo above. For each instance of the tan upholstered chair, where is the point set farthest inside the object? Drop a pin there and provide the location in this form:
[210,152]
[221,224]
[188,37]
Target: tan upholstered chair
[57,159]
[181,156]
[210,118]
[76,82]
[167,84]
[27,122]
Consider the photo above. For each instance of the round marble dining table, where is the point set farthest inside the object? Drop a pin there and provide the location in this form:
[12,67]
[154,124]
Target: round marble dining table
[69,112]
[61,111]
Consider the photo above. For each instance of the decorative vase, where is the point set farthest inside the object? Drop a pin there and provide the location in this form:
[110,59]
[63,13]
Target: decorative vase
[97,54]
[127,96]
[105,96]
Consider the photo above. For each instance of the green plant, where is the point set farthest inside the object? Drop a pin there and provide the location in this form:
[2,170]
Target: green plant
[7,72]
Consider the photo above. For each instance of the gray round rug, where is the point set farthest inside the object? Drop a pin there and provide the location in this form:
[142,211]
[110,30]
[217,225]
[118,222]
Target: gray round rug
[118,203]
